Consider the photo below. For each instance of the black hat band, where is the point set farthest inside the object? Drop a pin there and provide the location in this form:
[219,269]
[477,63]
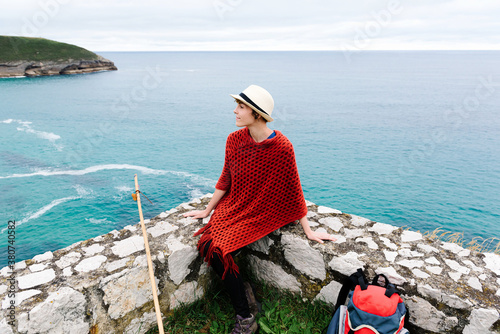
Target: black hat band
[247,99]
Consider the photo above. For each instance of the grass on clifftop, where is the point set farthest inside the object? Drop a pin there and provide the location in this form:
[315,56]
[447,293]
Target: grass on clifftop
[477,244]
[282,313]
[40,49]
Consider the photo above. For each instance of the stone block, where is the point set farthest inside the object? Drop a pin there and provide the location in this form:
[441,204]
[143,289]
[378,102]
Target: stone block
[369,242]
[68,259]
[382,229]
[92,263]
[480,321]
[262,245]
[492,262]
[187,293]
[303,257]
[329,293]
[273,274]
[36,279]
[325,209]
[161,228]
[389,244]
[333,223]
[410,236]
[127,292]
[353,233]
[359,221]
[179,261]
[141,325]
[392,275]
[128,246]
[346,264]
[20,297]
[43,257]
[92,250]
[62,312]
[112,266]
[429,318]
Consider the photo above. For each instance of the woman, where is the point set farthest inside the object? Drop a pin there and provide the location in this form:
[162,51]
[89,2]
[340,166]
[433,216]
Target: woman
[258,192]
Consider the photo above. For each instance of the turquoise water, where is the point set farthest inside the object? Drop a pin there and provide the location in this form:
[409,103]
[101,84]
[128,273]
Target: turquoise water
[405,138]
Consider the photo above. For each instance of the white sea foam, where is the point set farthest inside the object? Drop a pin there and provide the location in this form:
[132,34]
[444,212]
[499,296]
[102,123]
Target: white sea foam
[200,180]
[82,191]
[41,211]
[194,192]
[124,189]
[97,221]
[26,127]
[16,77]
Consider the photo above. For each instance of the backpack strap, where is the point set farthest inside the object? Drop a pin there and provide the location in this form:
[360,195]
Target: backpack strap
[375,280]
[361,279]
[350,282]
[358,278]
[390,288]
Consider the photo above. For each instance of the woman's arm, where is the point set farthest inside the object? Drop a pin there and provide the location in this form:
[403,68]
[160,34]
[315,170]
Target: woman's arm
[312,235]
[218,194]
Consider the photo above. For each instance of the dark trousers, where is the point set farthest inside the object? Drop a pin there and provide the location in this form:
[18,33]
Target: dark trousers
[233,283]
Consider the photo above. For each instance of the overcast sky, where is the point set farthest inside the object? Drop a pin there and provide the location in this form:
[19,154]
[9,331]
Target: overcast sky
[156,25]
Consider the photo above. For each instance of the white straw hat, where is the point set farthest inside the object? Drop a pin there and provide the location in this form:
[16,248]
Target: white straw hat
[258,99]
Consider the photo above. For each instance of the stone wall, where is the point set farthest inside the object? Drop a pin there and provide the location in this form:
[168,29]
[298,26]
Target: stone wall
[102,285]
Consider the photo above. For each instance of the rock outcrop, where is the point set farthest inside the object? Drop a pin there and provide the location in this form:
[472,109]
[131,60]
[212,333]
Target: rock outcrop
[23,68]
[101,285]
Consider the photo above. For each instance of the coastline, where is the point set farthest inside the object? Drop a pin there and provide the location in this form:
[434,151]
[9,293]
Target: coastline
[23,68]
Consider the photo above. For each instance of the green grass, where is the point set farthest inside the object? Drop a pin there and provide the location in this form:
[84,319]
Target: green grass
[40,49]
[282,313]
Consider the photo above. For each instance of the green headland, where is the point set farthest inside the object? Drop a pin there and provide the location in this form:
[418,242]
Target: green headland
[13,48]
[29,56]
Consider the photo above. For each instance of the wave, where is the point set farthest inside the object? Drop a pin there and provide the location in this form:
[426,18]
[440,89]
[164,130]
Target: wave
[26,127]
[98,221]
[39,212]
[194,192]
[124,189]
[200,180]
[16,77]
[82,192]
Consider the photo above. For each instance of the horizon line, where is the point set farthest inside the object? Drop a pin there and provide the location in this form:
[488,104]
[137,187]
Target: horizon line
[336,50]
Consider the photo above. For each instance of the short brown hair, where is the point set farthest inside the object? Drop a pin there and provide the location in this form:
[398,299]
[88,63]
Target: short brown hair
[254,113]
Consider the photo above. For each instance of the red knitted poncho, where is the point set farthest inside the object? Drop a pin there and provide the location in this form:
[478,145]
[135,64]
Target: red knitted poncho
[263,194]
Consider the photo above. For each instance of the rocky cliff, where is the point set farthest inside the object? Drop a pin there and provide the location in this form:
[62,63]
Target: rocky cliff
[33,69]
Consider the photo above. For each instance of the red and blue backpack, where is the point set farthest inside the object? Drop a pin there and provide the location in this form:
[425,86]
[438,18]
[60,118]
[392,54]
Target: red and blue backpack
[372,308]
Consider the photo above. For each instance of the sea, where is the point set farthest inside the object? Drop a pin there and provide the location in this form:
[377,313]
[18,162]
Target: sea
[408,138]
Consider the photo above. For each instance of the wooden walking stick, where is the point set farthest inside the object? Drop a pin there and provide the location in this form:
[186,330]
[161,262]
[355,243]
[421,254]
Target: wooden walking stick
[137,197]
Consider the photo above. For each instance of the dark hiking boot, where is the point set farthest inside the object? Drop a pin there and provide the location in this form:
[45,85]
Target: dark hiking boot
[253,304]
[245,325]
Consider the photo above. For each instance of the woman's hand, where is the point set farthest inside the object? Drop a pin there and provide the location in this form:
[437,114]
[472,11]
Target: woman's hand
[197,214]
[320,236]
[313,235]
